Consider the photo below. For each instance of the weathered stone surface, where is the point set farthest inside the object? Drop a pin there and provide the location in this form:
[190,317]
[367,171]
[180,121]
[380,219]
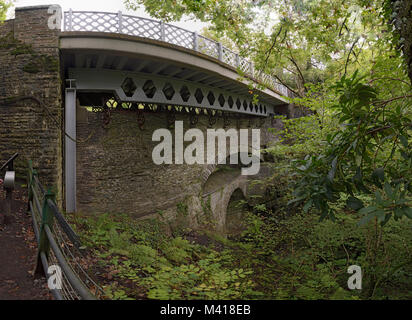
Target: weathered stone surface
[116,172]
[29,66]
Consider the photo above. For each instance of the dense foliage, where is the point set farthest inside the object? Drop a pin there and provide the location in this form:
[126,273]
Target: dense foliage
[367,153]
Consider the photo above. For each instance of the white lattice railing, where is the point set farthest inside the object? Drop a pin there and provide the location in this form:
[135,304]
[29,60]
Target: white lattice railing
[158,30]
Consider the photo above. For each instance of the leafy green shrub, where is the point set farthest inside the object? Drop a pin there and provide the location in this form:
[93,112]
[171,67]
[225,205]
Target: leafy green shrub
[204,280]
[177,250]
[142,255]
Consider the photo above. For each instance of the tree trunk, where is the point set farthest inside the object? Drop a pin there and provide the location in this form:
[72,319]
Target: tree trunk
[403,23]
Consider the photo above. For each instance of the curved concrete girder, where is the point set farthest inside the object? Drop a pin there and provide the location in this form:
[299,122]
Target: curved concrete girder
[147,48]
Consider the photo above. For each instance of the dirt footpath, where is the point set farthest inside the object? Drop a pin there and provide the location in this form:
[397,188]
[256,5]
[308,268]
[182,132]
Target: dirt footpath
[18,249]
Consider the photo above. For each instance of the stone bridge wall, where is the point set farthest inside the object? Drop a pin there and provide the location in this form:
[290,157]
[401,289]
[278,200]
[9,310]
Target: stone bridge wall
[29,66]
[115,170]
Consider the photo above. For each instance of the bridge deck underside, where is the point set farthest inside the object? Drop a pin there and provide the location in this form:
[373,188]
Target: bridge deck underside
[148,80]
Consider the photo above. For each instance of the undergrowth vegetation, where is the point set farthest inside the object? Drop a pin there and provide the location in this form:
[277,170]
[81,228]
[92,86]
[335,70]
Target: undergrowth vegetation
[282,256]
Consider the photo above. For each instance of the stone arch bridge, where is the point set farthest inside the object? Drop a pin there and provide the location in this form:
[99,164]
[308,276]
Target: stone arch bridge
[105,82]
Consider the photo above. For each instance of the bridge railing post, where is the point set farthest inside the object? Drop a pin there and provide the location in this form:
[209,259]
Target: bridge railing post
[70,26]
[220,51]
[251,68]
[47,219]
[237,62]
[195,41]
[162,31]
[120,21]
[30,178]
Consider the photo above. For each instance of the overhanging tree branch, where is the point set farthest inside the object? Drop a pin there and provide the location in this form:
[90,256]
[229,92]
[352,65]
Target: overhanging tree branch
[280,80]
[268,53]
[350,51]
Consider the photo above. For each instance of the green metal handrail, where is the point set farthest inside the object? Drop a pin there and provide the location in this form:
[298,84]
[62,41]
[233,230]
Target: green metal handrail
[42,202]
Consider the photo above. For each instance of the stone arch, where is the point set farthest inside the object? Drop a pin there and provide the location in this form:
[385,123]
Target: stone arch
[219,174]
[240,184]
[218,191]
[210,168]
[222,182]
[235,212]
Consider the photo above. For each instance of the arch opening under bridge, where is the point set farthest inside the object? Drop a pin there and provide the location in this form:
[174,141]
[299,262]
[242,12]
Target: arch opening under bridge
[225,191]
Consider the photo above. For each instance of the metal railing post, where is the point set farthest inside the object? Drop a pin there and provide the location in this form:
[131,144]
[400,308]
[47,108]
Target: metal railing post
[162,31]
[47,219]
[220,51]
[195,41]
[30,180]
[70,20]
[237,62]
[51,247]
[120,21]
